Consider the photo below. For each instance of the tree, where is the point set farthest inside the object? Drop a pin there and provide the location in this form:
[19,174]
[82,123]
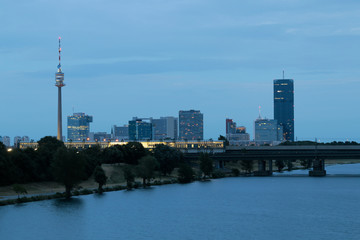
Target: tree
[279,164]
[100,177]
[206,164]
[129,176]
[68,168]
[306,163]
[93,158]
[289,165]
[46,150]
[235,172]
[146,168]
[167,157]
[222,138]
[247,165]
[133,151]
[185,174]
[113,154]
[19,189]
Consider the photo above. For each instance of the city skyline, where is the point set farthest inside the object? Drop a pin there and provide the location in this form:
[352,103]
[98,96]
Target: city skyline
[159,57]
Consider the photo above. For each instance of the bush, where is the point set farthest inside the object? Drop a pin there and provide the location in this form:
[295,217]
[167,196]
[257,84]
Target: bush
[218,174]
[235,172]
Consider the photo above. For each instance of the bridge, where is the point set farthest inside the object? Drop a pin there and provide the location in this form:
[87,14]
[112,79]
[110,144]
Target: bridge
[265,155]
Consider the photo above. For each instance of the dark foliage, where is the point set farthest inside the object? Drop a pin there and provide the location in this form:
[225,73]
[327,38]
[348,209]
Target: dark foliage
[68,168]
[100,177]
[206,164]
[185,173]
[168,158]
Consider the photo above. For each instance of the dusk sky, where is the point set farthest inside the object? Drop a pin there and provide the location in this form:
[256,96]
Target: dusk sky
[152,58]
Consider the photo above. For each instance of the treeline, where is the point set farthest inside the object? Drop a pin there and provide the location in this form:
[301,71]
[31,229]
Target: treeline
[52,161]
[304,143]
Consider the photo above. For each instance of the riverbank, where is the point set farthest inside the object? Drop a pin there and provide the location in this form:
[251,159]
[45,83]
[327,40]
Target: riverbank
[116,181]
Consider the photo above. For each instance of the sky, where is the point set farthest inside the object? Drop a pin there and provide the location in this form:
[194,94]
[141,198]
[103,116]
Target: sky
[152,58]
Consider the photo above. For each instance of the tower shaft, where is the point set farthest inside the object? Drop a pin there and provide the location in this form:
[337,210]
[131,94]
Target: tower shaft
[59,125]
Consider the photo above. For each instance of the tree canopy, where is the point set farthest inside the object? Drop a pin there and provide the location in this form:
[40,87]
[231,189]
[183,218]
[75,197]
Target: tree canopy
[68,168]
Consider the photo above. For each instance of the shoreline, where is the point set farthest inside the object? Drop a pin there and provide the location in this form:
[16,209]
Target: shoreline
[51,190]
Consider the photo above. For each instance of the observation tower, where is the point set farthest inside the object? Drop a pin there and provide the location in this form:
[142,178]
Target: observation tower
[59,78]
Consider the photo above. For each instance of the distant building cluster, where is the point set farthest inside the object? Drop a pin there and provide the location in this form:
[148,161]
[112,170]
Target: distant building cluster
[188,126]
[17,140]
[269,131]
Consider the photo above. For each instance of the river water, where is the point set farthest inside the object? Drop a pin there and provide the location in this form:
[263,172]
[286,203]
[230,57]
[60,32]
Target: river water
[287,207]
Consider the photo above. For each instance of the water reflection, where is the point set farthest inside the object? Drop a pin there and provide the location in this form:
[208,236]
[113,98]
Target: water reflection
[68,204]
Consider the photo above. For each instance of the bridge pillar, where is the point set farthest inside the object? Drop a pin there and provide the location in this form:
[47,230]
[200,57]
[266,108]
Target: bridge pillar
[219,164]
[318,168]
[270,162]
[262,169]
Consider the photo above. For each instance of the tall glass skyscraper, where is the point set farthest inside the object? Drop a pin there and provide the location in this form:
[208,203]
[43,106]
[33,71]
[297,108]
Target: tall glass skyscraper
[284,106]
[191,125]
[78,127]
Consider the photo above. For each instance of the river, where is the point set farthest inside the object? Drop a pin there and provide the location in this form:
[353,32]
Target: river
[288,207]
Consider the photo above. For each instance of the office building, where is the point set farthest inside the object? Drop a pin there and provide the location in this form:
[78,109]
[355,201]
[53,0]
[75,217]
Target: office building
[78,127]
[191,125]
[140,129]
[234,133]
[268,131]
[284,106]
[6,141]
[100,136]
[165,128]
[120,133]
[230,126]
[25,139]
[17,141]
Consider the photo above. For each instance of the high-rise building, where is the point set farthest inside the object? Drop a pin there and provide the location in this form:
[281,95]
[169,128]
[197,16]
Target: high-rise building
[284,106]
[140,129]
[17,141]
[120,133]
[230,126]
[6,141]
[191,125]
[165,128]
[78,127]
[268,130]
[234,133]
[25,139]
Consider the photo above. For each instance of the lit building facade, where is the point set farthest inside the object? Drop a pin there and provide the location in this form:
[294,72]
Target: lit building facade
[140,129]
[165,128]
[78,126]
[268,130]
[284,106]
[191,125]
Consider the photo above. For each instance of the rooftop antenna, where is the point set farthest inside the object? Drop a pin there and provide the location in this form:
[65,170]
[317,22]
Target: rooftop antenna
[259,112]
